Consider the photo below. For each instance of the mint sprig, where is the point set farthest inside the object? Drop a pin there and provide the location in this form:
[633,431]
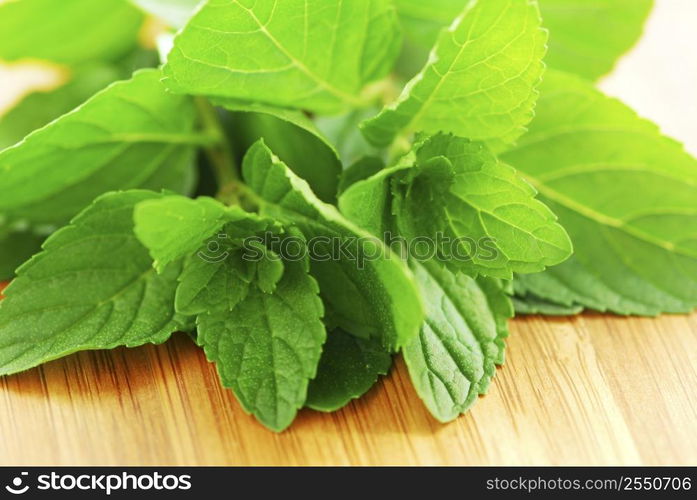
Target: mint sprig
[309,187]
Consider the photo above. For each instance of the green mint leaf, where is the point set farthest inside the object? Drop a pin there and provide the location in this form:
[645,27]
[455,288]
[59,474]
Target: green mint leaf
[454,357]
[133,134]
[369,202]
[217,277]
[92,287]
[268,346]
[349,367]
[369,290]
[174,12]
[588,36]
[40,108]
[457,189]
[15,248]
[530,304]
[308,54]
[68,32]
[625,194]
[480,81]
[293,137]
[174,227]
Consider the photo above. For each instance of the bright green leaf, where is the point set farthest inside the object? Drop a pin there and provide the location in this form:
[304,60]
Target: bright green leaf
[588,36]
[217,276]
[92,287]
[627,196]
[267,348]
[480,81]
[349,367]
[454,357]
[67,31]
[40,108]
[132,134]
[369,290]
[304,54]
[479,215]
[174,227]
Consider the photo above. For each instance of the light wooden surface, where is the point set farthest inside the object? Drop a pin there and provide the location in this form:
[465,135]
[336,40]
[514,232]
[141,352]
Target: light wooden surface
[588,390]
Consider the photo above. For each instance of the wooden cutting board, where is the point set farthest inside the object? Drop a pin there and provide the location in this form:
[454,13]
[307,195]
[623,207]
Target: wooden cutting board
[585,390]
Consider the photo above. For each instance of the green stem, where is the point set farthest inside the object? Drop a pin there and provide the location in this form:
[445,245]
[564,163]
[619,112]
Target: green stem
[219,153]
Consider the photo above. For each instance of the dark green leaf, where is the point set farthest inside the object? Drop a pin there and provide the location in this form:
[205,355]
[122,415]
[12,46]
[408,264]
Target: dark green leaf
[454,357]
[15,248]
[349,367]
[268,346]
[92,287]
[293,137]
[529,304]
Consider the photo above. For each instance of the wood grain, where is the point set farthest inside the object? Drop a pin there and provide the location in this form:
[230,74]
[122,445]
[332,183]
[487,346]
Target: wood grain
[585,390]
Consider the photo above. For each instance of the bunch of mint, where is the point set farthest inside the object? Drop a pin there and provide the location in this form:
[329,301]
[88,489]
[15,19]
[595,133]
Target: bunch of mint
[310,186]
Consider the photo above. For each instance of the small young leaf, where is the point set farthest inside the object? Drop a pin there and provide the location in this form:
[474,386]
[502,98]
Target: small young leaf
[364,168]
[588,36]
[625,194]
[68,31]
[293,137]
[268,346]
[369,202]
[92,287]
[370,291]
[217,276]
[454,357]
[132,134]
[450,189]
[316,55]
[174,227]
[349,367]
[480,81]
[174,12]
[40,108]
